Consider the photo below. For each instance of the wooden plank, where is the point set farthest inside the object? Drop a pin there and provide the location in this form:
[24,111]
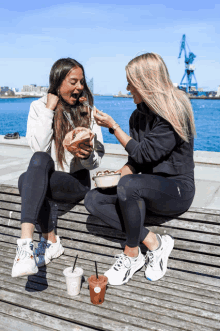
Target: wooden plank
[9,323]
[205,210]
[137,313]
[65,260]
[91,239]
[88,257]
[180,244]
[207,216]
[79,245]
[212,218]
[17,316]
[178,233]
[97,317]
[176,314]
[97,230]
[138,284]
[13,189]
[9,189]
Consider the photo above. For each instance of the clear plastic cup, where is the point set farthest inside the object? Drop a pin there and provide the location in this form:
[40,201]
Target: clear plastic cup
[73,280]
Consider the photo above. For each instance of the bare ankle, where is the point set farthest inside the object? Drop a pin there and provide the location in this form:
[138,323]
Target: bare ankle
[131,251]
[50,236]
[151,241]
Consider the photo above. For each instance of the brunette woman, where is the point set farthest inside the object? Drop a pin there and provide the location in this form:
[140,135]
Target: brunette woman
[159,174]
[53,172]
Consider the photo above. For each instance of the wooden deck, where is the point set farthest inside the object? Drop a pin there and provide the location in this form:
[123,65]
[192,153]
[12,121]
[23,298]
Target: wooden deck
[187,298]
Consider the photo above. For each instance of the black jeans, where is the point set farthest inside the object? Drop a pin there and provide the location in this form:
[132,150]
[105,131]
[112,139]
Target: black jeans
[124,207]
[40,182]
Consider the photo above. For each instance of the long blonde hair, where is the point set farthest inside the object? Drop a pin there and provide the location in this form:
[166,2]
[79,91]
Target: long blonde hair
[150,77]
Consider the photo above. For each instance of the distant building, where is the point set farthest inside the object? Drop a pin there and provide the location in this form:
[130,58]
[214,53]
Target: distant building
[5,91]
[218,92]
[90,85]
[33,89]
[212,93]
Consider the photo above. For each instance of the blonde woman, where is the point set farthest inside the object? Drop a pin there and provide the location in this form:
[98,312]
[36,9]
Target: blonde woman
[159,174]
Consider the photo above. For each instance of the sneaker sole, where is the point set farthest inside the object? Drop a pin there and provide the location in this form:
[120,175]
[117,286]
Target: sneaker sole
[131,275]
[54,257]
[169,251]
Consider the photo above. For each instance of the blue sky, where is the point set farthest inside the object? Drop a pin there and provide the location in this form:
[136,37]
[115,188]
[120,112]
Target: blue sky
[104,37]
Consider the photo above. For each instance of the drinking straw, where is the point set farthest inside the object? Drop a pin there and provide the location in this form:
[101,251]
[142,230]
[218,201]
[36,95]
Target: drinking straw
[96,270]
[75,262]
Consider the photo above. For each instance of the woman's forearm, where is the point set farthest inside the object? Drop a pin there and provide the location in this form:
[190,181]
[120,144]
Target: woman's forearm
[107,121]
[122,137]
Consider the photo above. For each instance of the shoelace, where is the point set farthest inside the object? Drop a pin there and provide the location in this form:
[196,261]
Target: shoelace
[42,247]
[120,261]
[150,259]
[22,252]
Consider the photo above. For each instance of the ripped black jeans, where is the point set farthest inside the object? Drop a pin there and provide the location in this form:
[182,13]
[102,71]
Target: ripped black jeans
[124,207]
[40,182]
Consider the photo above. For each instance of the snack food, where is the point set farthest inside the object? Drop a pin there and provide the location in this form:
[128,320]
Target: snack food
[106,178]
[105,172]
[76,137]
[82,99]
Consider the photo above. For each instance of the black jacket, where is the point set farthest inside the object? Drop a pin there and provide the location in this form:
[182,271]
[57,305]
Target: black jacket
[156,147]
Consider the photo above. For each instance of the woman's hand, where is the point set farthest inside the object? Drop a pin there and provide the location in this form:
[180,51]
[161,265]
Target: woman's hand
[84,150]
[103,119]
[52,101]
[126,170]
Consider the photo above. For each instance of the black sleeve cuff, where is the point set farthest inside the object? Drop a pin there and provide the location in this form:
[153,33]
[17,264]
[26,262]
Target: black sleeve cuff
[131,146]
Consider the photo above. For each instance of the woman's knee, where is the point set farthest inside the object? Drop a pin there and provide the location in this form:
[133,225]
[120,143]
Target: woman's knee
[20,181]
[91,200]
[126,187]
[41,159]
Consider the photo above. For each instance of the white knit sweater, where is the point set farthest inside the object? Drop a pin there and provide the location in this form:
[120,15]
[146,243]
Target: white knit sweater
[40,132]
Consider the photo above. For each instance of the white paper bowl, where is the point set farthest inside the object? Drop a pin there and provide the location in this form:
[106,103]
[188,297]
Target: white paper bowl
[105,181]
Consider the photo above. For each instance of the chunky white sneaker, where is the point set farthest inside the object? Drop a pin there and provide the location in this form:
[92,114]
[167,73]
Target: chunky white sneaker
[124,268]
[24,262]
[156,261]
[46,251]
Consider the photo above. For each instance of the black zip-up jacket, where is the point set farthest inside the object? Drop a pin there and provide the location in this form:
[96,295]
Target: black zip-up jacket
[156,148]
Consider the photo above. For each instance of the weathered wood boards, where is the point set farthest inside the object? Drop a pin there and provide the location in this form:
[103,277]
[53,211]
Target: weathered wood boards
[187,298]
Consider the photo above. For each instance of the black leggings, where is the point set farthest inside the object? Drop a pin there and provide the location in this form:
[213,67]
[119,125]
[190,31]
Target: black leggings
[40,182]
[124,207]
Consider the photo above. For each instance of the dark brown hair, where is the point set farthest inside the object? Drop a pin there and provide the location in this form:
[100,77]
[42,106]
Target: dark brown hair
[80,115]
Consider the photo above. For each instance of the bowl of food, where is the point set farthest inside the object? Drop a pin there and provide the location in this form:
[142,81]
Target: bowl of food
[106,178]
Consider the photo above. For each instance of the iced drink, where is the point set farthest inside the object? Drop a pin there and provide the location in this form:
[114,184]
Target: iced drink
[97,288]
[73,280]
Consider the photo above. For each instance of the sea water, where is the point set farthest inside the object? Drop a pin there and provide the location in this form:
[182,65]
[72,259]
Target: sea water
[14,114]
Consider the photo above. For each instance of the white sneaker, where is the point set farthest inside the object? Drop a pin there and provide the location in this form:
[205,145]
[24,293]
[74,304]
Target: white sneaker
[156,261]
[124,268]
[24,262]
[46,251]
